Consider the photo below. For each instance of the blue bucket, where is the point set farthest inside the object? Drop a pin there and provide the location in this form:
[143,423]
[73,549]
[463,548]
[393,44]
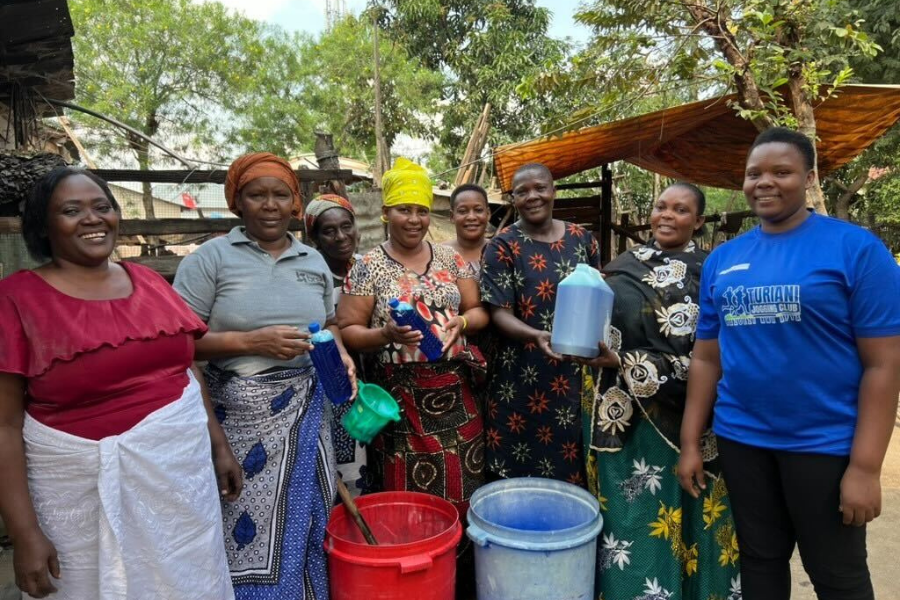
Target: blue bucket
[535,539]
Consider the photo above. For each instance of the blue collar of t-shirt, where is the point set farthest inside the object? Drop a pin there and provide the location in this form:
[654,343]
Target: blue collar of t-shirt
[790,233]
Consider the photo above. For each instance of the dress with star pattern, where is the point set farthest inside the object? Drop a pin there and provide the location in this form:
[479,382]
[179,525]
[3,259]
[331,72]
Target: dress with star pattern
[533,410]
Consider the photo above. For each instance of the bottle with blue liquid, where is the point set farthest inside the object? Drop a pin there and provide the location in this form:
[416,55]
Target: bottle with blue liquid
[326,359]
[404,314]
[583,312]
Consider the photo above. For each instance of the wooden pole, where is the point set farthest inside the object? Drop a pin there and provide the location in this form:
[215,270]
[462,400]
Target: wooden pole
[606,216]
[382,156]
[623,223]
[469,171]
[351,507]
[64,121]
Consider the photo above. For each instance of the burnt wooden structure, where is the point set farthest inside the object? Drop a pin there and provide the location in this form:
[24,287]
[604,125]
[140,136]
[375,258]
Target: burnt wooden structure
[36,62]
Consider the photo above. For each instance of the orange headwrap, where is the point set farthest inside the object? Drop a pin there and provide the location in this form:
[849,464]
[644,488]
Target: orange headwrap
[260,164]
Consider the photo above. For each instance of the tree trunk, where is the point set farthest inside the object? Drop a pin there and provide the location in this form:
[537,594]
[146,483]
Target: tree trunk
[806,122]
[712,21]
[843,204]
[141,148]
[142,151]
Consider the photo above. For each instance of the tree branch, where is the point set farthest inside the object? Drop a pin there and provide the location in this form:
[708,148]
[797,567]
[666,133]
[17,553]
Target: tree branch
[749,93]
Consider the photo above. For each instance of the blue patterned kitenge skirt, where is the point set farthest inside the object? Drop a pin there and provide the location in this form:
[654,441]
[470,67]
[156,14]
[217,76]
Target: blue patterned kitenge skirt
[279,428]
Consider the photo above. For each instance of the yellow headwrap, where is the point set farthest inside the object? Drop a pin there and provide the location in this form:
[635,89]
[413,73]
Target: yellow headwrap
[406,183]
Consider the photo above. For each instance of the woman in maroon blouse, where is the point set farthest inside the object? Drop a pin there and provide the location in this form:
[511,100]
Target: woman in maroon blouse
[106,446]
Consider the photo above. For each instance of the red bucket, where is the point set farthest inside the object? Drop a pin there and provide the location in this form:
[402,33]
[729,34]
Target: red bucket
[415,558]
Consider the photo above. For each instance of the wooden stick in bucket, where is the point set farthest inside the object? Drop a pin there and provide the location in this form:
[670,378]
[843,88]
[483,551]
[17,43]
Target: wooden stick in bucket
[350,505]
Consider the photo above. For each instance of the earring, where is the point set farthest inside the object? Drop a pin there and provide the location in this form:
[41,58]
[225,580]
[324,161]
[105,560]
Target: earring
[384,219]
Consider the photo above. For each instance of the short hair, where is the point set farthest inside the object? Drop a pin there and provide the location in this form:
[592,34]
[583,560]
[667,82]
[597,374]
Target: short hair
[698,194]
[34,216]
[540,167]
[796,139]
[467,187]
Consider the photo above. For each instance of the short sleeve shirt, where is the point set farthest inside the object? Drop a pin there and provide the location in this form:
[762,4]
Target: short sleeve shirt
[434,294]
[234,285]
[787,310]
[96,368]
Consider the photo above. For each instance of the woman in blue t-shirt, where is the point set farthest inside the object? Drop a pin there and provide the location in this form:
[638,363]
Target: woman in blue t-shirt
[798,348]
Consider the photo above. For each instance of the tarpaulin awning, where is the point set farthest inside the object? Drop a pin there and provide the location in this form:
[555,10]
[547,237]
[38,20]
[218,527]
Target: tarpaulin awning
[705,142]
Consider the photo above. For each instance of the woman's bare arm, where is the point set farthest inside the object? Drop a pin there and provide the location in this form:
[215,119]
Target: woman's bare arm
[34,555]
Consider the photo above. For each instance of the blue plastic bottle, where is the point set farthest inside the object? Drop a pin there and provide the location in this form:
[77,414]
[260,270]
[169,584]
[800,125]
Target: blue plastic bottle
[404,314]
[583,310]
[326,359]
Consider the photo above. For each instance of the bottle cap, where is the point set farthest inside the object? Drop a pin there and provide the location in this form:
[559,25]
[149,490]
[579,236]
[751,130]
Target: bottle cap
[393,303]
[314,327]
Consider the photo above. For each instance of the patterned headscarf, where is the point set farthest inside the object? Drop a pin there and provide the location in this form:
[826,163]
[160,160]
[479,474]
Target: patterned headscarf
[322,203]
[260,164]
[406,183]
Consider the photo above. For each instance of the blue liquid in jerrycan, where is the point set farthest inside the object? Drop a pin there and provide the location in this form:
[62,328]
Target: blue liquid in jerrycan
[404,314]
[583,310]
[326,359]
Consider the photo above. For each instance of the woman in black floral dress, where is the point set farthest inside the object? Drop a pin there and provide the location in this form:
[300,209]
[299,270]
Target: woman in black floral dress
[533,414]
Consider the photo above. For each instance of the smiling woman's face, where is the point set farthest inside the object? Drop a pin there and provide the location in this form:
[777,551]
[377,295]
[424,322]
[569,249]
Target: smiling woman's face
[336,235]
[470,215]
[533,194]
[82,224]
[407,224]
[674,218]
[775,183]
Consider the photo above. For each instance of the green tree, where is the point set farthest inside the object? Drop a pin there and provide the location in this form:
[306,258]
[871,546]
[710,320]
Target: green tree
[156,64]
[325,83]
[757,48]
[868,189]
[274,106]
[486,47]
[343,66]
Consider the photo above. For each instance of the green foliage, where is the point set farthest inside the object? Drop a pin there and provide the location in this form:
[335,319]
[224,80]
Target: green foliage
[715,46]
[209,78]
[344,69]
[649,54]
[159,64]
[271,107]
[326,83]
[879,200]
[486,47]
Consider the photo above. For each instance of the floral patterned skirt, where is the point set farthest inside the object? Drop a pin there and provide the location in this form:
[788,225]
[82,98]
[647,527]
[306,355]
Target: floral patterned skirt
[658,542]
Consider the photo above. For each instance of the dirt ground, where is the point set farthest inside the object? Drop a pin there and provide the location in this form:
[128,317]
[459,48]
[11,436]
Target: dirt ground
[883,538]
[883,535]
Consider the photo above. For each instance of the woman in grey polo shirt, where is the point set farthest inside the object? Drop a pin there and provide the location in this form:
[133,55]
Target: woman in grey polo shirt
[258,289]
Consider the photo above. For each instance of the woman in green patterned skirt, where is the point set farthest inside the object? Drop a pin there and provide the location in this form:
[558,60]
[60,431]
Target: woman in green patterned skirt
[658,543]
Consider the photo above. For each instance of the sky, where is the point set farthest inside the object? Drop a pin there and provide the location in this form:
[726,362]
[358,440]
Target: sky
[309,15]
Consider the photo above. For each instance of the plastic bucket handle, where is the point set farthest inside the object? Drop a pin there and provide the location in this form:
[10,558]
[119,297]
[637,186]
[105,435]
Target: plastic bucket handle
[415,563]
